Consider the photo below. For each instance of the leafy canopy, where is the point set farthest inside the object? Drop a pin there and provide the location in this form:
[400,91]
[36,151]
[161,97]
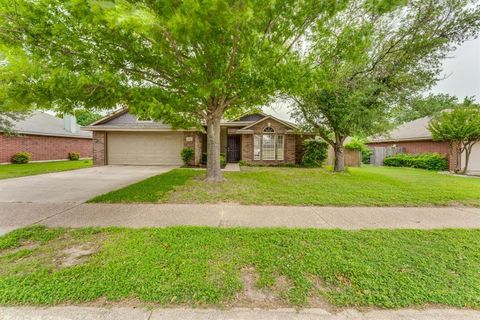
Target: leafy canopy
[370,55]
[416,107]
[460,124]
[181,61]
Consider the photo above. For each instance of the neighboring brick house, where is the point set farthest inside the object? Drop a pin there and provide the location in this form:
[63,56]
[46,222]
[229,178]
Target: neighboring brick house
[46,137]
[122,138]
[415,137]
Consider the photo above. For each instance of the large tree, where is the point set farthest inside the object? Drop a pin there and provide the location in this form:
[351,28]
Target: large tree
[188,63]
[460,127]
[14,68]
[420,106]
[371,55]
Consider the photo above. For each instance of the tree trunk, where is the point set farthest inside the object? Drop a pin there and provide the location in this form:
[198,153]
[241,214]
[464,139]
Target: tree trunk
[339,154]
[458,166]
[214,173]
[468,151]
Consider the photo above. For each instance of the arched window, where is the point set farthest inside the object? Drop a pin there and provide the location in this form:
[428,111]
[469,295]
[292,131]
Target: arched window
[268,130]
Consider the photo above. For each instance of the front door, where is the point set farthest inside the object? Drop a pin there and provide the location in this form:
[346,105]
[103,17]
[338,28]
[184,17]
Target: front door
[233,148]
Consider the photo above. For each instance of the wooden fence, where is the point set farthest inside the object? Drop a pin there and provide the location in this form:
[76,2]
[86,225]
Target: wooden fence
[380,153]
[353,158]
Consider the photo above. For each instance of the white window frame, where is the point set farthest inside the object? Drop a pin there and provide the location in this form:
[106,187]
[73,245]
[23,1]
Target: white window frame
[269,154]
[280,151]
[257,145]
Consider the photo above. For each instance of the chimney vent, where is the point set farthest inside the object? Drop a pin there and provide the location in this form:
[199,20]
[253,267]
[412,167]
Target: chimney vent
[70,123]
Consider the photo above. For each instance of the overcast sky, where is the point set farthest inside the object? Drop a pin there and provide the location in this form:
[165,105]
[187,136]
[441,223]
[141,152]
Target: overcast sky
[461,73]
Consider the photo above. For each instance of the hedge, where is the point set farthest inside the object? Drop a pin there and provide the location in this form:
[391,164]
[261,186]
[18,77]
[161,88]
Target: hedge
[315,152]
[429,161]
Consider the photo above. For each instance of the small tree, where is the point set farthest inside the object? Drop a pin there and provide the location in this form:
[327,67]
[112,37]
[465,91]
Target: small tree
[460,127]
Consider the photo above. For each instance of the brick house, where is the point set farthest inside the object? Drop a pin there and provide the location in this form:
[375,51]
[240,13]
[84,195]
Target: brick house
[415,137]
[122,138]
[46,137]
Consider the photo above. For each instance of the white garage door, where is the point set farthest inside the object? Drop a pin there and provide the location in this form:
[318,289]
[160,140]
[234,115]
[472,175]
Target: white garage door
[474,162]
[144,148]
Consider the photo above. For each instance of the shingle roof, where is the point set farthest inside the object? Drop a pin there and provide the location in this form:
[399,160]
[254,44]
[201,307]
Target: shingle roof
[40,123]
[122,120]
[413,130]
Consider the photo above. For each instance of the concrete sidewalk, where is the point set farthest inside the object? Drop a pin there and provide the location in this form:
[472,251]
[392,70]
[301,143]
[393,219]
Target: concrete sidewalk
[16,215]
[90,313]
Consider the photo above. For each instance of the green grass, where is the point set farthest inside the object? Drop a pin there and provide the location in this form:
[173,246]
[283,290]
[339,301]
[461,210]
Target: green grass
[29,169]
[203,266]
[366,186]
[153,189]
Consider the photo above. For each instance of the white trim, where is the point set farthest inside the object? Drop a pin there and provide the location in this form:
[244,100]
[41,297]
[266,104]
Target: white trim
[290,125]
[283,147]
[259,136]
[274,144]
[248,131]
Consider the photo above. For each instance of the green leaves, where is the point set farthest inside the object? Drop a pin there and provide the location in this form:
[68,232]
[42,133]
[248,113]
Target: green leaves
[190,56]
[373,54]
[458,125]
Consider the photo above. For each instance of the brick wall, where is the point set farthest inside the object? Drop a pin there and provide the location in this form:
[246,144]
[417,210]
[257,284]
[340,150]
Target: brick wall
[247,147]
[193,140]
[43,147]
[99,148]
[422,146]
[289,143]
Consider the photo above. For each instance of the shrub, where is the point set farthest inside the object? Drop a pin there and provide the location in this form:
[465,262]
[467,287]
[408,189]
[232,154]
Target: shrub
[74,156]
[429,161]
[242,163]
[187,155]
[314,153]
[357,144]
[223,160]
[21,157]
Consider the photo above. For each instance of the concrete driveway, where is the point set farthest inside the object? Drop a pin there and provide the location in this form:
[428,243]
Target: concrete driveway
[34,199]
[74,186]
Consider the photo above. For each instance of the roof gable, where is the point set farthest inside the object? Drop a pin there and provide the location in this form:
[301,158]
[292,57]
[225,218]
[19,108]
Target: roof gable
[252,117]
[285,123]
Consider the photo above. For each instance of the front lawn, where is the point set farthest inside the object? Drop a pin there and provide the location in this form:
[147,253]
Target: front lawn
[366,186]
[29,169]
[213,266]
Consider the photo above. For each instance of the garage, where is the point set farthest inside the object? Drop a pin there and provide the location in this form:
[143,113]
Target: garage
[144,148]
[474,162]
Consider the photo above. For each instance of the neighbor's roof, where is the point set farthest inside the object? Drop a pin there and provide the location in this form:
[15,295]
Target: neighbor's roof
[413,130]
[44,124]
